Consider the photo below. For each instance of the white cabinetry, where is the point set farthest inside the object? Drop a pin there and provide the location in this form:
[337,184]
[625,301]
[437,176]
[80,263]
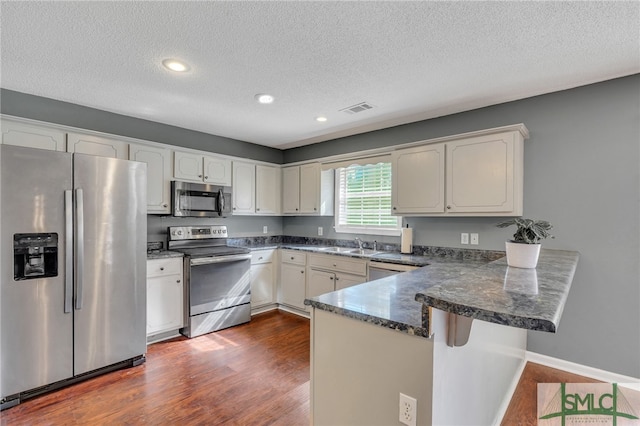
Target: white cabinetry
[202,168]
[244,188]
[256,189]
[97,145]
[28,136]
[473,176]
[158,175]
[165,295]
[293,279]
[417,180]
[484,174]
[326,273]
[268,190]
[262,278]
[308,190]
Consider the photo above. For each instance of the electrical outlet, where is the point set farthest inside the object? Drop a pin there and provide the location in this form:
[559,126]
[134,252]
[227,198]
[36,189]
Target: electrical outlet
[464,238]
[408,410]
[474,239]
[265,229]
[320,230]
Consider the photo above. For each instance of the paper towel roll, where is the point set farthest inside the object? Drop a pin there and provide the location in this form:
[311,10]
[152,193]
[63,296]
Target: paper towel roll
[406,240]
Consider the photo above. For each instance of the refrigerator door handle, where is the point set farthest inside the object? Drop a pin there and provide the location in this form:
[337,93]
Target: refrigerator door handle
[79,247]
[68,250]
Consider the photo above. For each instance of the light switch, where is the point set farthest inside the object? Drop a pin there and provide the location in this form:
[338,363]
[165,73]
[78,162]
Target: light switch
[474,239]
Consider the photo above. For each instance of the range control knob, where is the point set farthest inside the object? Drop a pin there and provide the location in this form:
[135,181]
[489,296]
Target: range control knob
[179,232]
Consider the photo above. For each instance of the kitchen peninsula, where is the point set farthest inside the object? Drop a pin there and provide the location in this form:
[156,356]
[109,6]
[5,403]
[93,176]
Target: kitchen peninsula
[452,335]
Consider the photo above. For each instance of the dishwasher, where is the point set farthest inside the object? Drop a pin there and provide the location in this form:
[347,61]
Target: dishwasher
[379,270]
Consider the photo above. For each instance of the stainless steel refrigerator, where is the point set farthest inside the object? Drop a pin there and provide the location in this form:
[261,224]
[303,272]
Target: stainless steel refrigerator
[73,269]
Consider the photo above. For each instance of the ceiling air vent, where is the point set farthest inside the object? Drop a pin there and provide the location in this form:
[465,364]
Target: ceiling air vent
[354,109]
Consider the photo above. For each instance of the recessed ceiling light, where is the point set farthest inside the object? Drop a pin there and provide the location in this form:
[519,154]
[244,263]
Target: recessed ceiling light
[263,98]
[175,65]
[321,119]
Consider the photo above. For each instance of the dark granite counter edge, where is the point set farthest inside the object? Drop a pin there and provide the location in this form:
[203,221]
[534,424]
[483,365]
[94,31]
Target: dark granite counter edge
[529,323]
[371,319]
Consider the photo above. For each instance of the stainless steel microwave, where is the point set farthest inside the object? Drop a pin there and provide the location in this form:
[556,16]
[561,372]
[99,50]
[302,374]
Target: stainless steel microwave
[200,199]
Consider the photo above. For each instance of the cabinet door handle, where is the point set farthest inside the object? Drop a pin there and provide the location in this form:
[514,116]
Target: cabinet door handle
[314,209]
[292,258]
[395,208]
[337,278]
[161,268]
[206,177]
[331,278]
[302,272]
[178,281]
[334,265]
[260,258]
[199,176]
[296,209]
[165,205]
[258,209]
[448,207]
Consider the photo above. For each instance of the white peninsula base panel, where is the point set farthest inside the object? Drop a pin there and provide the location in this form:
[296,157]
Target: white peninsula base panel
[359,369]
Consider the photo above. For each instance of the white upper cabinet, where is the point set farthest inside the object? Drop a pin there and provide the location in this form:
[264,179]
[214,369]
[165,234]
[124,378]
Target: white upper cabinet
[417,180]
[291,190]
[97,145]
[217,170]
[158,176]
[268,190]
[202,168]
[473,176]
[307,190]
[244,188]
[484,174]
[28,136]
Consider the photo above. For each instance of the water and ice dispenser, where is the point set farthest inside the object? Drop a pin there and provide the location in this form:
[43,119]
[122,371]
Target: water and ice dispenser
[35,256]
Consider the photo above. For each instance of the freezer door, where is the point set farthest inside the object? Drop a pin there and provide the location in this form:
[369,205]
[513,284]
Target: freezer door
[36,333]
[111,237]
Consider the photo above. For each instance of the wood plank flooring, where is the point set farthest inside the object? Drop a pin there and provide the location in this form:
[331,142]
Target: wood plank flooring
[253,374]
[522,409]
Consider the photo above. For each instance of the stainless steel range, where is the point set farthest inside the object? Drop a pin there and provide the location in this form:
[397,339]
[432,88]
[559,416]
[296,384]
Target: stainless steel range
[218,287]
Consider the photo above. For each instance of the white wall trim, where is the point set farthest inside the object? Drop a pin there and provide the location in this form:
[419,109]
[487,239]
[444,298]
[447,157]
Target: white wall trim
[582,370]
[502,410]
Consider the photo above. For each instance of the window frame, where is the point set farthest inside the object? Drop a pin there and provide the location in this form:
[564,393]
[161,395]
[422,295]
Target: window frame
[369,230]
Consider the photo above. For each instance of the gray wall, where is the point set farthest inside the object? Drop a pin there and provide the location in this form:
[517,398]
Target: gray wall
[581,174]
[52,111]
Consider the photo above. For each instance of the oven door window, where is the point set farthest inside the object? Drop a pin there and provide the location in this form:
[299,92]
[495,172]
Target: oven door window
[218,286]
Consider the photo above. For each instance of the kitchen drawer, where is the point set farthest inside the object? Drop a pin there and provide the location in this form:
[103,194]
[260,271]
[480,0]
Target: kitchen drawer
[338,263]
[161,267]
[262,256]
[292,256]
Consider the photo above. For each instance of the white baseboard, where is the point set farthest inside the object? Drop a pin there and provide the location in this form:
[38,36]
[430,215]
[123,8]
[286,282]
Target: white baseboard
[294,311]
[583,370]
[502,410]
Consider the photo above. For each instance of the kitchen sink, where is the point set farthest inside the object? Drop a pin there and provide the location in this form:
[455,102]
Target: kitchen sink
[364,252]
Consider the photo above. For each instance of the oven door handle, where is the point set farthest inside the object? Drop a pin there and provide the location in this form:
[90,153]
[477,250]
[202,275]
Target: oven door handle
[219,259]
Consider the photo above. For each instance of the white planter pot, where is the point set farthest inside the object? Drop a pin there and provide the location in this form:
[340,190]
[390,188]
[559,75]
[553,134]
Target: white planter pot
[522,255]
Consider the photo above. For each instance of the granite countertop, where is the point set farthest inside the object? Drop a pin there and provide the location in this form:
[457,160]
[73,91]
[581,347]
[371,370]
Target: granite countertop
[163,254]
[490,291]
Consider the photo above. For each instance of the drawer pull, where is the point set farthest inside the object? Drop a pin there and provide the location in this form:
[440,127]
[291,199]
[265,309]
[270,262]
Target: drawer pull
[292,257]
[260,258]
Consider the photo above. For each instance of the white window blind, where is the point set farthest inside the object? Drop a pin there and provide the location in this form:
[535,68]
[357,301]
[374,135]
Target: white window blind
[363,200]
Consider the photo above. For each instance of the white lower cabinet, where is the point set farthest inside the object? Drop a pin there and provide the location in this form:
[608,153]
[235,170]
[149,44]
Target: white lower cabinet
[293,279]
[165,295]
[262,279]
[327,273]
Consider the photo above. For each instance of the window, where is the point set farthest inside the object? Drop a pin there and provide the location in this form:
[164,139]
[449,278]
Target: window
[363,200]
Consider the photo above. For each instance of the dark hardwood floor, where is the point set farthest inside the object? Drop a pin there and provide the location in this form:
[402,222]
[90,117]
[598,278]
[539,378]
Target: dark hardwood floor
[253,374]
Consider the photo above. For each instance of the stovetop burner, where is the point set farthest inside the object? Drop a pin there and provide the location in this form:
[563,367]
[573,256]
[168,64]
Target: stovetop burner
[202,241]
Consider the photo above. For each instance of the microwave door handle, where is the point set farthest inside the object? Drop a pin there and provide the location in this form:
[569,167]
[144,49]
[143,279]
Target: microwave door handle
[220,202]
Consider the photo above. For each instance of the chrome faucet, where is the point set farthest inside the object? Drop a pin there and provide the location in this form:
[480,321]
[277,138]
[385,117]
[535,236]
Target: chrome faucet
[359,241]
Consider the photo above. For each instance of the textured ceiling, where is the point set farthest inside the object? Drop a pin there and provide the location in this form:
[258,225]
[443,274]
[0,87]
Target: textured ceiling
[410,60]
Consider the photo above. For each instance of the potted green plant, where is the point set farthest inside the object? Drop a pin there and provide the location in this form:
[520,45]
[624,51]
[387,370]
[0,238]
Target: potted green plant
[524,249]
